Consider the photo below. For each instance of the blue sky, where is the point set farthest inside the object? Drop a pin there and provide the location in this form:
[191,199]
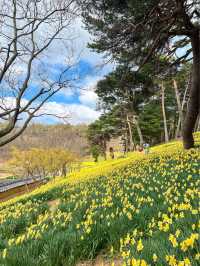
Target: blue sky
[77,102]
[86,72]
[80,101]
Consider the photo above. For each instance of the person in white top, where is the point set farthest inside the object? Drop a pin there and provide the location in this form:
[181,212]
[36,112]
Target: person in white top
[146,148]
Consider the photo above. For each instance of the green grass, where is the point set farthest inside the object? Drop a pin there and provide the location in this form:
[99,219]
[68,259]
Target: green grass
[108,210]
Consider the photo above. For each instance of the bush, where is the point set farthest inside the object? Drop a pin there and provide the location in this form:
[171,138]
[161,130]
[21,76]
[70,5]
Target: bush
[42,162]
[95,151]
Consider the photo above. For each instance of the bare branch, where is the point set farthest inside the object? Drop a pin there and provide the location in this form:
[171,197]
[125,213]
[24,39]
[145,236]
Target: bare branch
[28,29]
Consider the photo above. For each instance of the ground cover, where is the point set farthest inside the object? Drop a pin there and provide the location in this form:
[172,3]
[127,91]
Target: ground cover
[139,210]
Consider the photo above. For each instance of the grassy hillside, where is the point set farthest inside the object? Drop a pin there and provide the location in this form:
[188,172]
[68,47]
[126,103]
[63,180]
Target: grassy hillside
[139,210]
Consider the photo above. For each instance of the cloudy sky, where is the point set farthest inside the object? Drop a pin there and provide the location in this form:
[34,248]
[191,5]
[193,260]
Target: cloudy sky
[78,102]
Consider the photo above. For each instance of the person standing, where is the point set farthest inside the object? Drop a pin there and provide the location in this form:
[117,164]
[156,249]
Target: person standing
[112,155]
[146,147]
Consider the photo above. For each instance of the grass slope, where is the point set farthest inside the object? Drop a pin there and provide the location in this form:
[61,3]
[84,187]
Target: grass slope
[143,210]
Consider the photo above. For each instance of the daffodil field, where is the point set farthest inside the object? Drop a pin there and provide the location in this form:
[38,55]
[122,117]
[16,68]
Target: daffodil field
[140,210]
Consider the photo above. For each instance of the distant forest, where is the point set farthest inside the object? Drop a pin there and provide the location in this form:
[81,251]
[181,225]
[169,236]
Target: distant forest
[69,137]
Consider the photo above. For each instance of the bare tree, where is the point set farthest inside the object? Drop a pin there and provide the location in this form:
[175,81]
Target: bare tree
[27,31]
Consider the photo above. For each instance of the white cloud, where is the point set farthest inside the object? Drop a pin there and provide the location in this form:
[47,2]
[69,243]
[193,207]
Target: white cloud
[75,113]
[10,102]
[67,92]
[82,114]
[72,113]
[61,53]
[76,47]
[88,98]
[87,95]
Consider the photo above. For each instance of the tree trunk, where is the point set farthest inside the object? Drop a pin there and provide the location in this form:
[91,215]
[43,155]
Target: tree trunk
[126,142]
[130,133]
[135,121]
[171,129]
[180,111]
[104,149]
[197,127]
[194,100]
[164,113]
[184,101]
[64,170]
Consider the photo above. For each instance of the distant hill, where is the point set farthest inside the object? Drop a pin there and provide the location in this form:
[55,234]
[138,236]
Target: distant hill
[70,137]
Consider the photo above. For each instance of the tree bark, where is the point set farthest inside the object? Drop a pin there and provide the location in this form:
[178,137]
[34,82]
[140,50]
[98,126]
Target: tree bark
[180,111]
[135,121]
[164,113]
[197,127]
[130,133]
[171,128]
[126,141]
[184,102]
[104,149]
[194,100]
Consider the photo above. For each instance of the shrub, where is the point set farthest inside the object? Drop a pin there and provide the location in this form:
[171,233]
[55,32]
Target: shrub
[42,162]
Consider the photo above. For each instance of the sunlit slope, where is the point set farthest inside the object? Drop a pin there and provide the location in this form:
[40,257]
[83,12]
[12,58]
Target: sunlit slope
[91,169]
[142,210]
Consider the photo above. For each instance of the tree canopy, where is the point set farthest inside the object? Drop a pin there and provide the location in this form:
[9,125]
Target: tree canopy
[134,31]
